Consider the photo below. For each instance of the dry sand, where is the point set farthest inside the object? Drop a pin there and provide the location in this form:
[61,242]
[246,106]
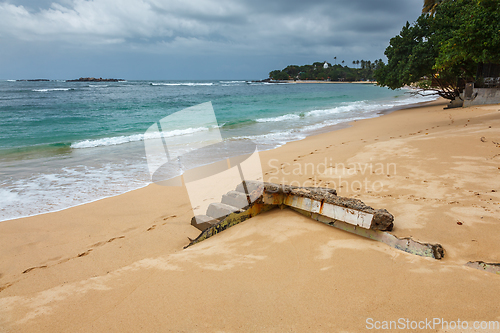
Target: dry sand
[118,264]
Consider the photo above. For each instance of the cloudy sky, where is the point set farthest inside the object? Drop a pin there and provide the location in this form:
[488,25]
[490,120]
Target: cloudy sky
[190,39]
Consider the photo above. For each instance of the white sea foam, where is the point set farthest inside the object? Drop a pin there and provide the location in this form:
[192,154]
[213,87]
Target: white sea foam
[8,197]
[192,84]
[345,113]
[359,106]
[290,116]
[369,107]
[118,140]
[48,192]
[344,108]
[276,138]
[281,137]
[52,89]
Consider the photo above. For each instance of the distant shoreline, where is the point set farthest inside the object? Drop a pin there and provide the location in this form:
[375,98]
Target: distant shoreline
[319,81]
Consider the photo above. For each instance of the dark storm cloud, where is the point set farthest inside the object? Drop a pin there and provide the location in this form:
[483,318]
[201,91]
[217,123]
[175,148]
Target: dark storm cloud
[353,29]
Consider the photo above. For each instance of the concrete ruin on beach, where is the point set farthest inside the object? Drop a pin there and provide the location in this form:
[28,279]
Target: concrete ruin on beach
[321,204]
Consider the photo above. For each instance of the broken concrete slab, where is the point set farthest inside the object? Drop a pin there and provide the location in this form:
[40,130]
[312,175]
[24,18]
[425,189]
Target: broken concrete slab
[203,222]
[405,244]
[236,199]
[218,210]
[320,204]
[249,186]
[323,201]
[231,220]
[350,216]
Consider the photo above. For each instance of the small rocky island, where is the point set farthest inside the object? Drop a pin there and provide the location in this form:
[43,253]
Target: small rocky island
[93,79]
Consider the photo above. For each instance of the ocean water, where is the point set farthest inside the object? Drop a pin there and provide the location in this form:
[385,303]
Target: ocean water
[67,143]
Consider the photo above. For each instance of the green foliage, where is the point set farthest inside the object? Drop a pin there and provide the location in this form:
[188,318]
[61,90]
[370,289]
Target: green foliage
[279,75]
[411,55]
[337,72]
[441,52]
[475,37]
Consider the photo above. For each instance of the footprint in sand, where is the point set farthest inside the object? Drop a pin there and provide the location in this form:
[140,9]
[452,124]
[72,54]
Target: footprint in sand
[115,238]
[5,286]
[104,242]
[32,268]
[83,254]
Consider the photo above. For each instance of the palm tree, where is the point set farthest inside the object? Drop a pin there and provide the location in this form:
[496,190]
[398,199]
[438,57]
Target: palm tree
[380,63]
[357,63]
[430,6]
[354,62]
[335,58]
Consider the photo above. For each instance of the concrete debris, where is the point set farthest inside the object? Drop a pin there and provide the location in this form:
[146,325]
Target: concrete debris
[321,204]
[483,266]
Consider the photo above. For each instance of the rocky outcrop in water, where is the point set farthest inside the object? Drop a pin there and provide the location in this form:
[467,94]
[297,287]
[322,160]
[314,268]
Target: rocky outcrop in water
[93,79]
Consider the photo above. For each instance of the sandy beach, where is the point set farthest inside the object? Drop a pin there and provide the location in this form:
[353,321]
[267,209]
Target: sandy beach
[118,264]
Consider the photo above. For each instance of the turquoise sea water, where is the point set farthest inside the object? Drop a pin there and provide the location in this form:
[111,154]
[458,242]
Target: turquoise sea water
[68,143]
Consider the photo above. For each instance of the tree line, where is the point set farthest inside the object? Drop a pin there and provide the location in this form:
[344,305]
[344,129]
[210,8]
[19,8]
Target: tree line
[452,43]
[364,71]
